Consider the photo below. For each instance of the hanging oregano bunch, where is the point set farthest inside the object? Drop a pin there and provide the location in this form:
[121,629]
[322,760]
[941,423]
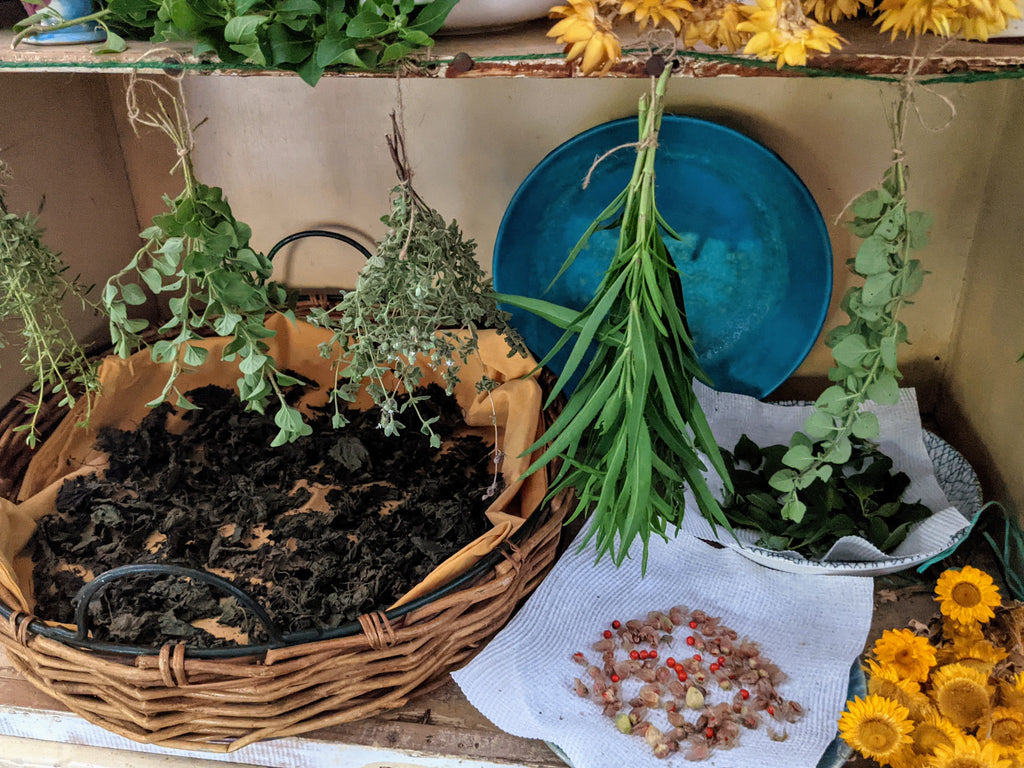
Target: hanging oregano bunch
[199,254]
[632,433]
[416,296]
[865,349]
[33,286]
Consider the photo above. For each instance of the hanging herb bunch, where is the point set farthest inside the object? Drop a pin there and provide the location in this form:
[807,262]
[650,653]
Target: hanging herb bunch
[796,486]
[632,434]
[305,36]
[198,254]
[33,286]
[422,295]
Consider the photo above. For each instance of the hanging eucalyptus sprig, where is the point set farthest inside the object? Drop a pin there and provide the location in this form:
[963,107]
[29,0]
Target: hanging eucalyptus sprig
[864,349]
[198,254]
[33,286]
[632,432]
[417,296]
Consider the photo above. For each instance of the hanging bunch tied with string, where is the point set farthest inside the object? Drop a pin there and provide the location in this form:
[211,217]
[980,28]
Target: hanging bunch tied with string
[788,32]
[198,254]
[633,435]
[422,295]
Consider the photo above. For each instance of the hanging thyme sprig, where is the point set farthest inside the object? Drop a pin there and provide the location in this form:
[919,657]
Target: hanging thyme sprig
[33,287]
[199,254]
[632,433]
[416,296]
[865,349]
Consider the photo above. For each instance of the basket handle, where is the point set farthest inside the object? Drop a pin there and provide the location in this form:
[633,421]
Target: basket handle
[92,590]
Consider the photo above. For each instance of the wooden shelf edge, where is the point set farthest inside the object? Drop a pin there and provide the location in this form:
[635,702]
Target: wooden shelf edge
[527,52]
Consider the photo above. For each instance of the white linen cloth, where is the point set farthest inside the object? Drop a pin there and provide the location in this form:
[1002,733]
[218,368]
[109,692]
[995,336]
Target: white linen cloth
[814,628]
[900,437]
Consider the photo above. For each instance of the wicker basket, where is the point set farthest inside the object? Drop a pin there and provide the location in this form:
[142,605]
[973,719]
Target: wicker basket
[213,701]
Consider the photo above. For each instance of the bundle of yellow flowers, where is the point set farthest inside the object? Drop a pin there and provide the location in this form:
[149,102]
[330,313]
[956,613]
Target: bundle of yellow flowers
[786,31]
[952,702]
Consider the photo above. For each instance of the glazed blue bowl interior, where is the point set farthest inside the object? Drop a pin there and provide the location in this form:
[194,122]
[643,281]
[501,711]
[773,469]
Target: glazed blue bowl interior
[754,256]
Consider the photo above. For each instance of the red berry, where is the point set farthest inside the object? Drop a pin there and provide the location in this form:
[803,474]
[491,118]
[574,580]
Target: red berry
[721,661]
[693,625]
[670,662]
[615,678]
[634,655]
[690,640]
[616,624]
[771,710]
[652,655]
[681,674]
[696,657]
[644,654]
[709,733]
[744,693]
[713,667]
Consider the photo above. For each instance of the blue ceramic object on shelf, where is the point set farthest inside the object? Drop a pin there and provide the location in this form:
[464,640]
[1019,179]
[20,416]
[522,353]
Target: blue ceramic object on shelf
[89,32]
[754,257]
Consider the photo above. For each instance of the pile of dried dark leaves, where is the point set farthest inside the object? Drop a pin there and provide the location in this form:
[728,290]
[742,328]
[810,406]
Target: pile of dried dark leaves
[217,498]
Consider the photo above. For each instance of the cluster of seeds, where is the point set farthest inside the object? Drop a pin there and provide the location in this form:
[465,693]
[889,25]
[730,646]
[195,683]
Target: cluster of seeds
[712,655]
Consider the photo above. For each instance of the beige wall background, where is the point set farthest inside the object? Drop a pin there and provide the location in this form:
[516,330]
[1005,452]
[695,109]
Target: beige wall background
[292,157]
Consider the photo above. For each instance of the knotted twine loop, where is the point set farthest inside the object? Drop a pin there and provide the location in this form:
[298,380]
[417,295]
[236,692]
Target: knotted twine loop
[171,664]
[378,630]
[910,85]
[18,623]
[174,121]
[514,555]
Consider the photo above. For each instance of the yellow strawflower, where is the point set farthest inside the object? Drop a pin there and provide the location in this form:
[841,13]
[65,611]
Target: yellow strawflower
[967,595]
[587,35]
[968,752]
[1005,728]
[884,680]
[831,11]
[910,655]
[876,727]
[782,32]
[657,11]
[962,694]
[715,24]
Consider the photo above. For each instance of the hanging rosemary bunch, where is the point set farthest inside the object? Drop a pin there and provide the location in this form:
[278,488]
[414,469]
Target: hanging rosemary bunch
[417,297]
[33,286]
[632,433]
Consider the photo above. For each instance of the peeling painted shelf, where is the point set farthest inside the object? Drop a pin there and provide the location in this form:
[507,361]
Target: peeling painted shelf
[526,52]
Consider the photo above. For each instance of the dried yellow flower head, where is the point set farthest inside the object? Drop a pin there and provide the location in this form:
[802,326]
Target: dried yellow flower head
[967,595]
[885,680]
[875,726]
[656,11]
[1005,727]
[968,752]
[782,32]
[910,655]
[587,35]
[962,694]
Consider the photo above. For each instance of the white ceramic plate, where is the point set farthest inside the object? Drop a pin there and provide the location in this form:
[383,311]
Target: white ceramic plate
[957,480]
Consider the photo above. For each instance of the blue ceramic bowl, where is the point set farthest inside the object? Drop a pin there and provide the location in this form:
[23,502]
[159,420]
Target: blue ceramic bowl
[755,258]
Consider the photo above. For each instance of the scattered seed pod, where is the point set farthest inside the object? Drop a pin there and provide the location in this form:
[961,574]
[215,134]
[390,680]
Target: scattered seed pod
[670,689]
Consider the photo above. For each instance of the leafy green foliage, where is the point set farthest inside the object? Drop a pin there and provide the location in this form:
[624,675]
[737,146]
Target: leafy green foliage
[198,254]
[414,297]
[631,432]
[33,286]
[864,499]
[304,36]
[865,348]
